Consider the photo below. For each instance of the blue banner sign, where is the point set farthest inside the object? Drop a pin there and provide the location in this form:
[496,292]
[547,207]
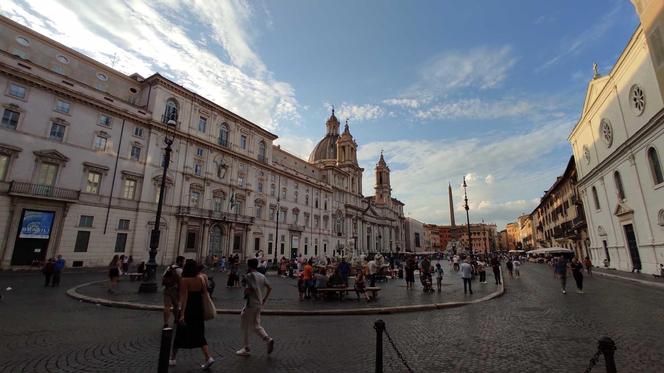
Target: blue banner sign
[36,224]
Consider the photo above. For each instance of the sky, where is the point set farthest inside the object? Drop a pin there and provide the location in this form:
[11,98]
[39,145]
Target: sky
[488,90]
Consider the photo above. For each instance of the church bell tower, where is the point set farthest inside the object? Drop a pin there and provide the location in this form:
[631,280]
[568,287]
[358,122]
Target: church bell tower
[383,189]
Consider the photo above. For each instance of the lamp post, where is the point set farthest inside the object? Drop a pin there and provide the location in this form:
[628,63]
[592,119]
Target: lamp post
[276,230]
[465,198]
[149,285]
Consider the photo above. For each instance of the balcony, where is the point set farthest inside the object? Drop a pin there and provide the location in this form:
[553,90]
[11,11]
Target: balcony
[262,158]
[296,227]
[43,191]
[224,143]
[214,215]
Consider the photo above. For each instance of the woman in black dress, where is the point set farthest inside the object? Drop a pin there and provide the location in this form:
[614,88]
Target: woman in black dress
[113,273]
[190,331]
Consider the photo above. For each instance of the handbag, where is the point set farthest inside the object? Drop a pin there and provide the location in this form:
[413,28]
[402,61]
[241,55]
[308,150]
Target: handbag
[209,310]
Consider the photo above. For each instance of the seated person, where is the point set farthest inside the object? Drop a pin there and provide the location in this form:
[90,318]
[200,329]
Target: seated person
[320,281]
[335,280]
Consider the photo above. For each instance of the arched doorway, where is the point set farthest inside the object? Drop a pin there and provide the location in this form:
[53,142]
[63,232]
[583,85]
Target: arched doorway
[215,241]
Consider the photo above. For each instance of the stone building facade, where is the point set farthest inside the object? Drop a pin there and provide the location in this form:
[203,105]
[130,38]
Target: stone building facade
[81,156]
[483,237]
[618,143]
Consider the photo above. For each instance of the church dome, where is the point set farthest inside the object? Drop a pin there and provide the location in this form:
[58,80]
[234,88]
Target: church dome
[326,149]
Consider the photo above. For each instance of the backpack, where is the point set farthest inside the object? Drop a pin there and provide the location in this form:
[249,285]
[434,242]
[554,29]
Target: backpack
[170,277]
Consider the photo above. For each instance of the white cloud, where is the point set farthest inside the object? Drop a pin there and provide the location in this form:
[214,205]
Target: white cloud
[421,170]
[217,61]
[409,103]
[297,145]
[360,112]
[475,109]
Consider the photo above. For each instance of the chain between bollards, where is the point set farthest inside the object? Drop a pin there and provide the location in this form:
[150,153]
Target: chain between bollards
[165,349]
[379,325]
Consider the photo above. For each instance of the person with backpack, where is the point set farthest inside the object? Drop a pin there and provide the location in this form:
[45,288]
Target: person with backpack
[171,282]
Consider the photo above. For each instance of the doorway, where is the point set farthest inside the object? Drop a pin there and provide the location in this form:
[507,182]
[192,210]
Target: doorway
[632,246]
[32,238]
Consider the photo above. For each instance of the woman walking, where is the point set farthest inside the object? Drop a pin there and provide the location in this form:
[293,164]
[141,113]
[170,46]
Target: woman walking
[190,331]
[410,273]
[577,273]
[113,273]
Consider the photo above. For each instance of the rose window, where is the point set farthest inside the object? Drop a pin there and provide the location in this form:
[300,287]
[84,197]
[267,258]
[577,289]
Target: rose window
[637,100]
[606,132]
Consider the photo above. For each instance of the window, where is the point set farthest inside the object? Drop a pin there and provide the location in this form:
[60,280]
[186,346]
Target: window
[296,196]
[47,174]
[195,197]
[619,185]
[272,210]
[306,200]
[104,120]
[93,182]
[129,190]
[10,119]
[261,152]
[260,187]
[243,142]
[595,198]
[259,211]
[200,152]
[138,131]
[655,166]
[123,224]
[86,221]
[240,181]
[273,190]
[57,132]
[17,91]
[202,124]
[198,169]
[62,106]
[100,143]
[171,111]
[217,203]
[120,242]
[82,239]
[4,166]
[191,242]
[417,240]
[283,193]
[223,135]
[135,153]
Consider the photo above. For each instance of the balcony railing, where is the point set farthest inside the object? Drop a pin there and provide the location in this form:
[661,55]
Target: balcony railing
[224,143]
[296,227]
[43,191]
[262,158]
[215,215]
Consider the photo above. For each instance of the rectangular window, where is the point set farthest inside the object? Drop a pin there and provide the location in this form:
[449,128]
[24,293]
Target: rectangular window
[4,166]
[57,132]
[135,153]
[272,210]
[217,203]
[198,169]
[62,106]
[200,152]
[47,174]
[282,248]
[195,198]
[202,124]
[240,181]
[243,141]
[324,247]
[260,187]
[120,242]
[123,224]
[138,131]
[100,143]
[257,244]
[191,242]
[129,190]
[17,91]
[86,221]
[93,182]
[10,119]
[82,239]
[269,248]
[104,120]
[283,194]
[273,190]
[259,211]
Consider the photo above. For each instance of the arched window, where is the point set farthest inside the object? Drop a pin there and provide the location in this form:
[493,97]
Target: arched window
[223,134]
[261,151]
[171,111]
[595,198]
[655,166]
[619,185]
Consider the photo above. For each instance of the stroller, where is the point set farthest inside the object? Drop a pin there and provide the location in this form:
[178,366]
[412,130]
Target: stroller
[211,285]
[427,284]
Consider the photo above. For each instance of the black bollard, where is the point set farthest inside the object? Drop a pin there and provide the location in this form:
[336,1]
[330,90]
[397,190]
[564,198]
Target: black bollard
[165,349]
[379,325]
[608,348]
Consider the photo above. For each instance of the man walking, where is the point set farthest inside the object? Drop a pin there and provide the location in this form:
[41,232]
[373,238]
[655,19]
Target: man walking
[466,274]
[256,292]
[495,265]
[171,281]
[57,270]
[560,269]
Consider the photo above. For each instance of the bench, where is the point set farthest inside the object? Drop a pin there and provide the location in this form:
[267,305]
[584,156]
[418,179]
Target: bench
[373,290]
[341,291]
[133,276]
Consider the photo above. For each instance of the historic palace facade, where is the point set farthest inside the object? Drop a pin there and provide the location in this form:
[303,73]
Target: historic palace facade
[81,154]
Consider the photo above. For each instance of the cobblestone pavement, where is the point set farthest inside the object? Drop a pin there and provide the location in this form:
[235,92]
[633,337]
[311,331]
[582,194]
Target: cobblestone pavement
[532,328]
[285,294]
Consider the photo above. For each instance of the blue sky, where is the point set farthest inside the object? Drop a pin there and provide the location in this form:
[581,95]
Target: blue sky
[485,89]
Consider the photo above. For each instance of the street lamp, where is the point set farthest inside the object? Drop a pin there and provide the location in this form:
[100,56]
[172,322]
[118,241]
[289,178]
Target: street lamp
[149,285]
[276,230]
[465,198]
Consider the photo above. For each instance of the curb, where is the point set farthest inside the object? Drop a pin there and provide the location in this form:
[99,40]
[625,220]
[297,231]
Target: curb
[644,282]
[73,293]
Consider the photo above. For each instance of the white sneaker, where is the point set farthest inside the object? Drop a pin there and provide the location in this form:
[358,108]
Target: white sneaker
[171,362]
[208,363]
[242,352]
[579,291]
[564,292]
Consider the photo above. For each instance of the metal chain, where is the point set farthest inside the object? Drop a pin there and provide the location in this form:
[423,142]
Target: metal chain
[593,361]
[403,359]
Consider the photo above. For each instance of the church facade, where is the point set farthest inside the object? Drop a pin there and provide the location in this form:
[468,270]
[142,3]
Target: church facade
[81,156]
